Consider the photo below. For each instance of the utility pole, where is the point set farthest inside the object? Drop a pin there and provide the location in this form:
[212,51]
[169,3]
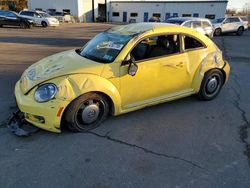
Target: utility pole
[93,10]
[106,15]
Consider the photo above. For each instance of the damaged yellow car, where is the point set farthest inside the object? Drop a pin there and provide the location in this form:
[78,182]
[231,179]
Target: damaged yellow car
[120,70]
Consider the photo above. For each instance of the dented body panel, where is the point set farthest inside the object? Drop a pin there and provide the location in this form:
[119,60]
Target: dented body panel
[157,80]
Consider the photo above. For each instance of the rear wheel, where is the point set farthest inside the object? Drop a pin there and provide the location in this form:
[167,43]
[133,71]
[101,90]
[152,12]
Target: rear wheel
[211,85]
[217,32]
[86,112]
[44,24]
[23,25]
[240,31]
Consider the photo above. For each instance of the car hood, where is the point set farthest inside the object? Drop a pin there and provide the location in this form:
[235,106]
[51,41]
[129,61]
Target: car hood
[61,64]
[216,25]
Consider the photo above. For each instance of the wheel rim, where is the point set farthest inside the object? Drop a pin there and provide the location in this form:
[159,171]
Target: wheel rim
[240,31]
[213,85]
[217,31]
[89,112]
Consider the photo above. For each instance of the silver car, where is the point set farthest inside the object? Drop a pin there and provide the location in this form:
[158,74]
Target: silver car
[229,25]
[201,25]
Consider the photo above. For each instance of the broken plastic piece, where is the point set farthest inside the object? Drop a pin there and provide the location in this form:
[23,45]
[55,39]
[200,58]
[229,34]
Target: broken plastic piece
[19,126]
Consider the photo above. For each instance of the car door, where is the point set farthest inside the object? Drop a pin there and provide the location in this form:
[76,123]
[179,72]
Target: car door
[2,18]
[160,74]
[195,51]
[38,18]
[12,19]
[227,26]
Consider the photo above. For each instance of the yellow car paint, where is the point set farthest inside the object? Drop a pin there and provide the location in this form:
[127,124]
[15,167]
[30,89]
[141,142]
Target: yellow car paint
[157,80]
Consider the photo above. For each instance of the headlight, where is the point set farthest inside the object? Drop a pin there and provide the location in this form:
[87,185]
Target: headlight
[30,21]
[45,92]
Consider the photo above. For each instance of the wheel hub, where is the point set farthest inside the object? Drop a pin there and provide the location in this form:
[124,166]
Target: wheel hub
[212,85]
[90,113]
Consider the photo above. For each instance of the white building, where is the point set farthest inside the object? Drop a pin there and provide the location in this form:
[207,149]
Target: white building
[142,11]
[138,10]
[83,9]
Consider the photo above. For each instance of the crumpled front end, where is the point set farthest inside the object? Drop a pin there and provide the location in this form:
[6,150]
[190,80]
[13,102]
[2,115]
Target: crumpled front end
[43,115]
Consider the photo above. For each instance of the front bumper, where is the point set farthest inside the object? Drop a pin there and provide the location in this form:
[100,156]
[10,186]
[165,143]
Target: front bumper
[46,116]
[53,24]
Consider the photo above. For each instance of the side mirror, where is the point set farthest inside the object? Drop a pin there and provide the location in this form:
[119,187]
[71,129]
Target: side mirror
[132,69]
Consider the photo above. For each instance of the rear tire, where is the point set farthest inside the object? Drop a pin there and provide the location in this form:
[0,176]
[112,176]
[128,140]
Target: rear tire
[217,32]
[211,85]
[86,112]
[44,24]
[23,25]
[240,31]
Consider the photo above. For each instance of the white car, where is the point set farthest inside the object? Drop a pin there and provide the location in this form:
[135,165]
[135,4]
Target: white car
[231,24]
[202,25]
[40,18]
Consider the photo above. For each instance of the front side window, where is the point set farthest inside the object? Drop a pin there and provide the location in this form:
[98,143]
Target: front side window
[206,24]
[156,46]
[44,15]
[191,43]
[105,47]
[220,20]
[10,14]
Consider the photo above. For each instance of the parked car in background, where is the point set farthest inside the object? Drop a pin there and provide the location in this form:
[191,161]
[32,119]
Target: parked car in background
[10,18]
[231,24]
[40,18]
[58,15]
[154,19]
[201,25]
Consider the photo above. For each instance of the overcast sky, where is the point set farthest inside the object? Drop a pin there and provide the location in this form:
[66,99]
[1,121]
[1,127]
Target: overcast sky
[237,3]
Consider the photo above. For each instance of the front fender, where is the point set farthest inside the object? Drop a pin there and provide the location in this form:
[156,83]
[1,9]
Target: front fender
[75,85]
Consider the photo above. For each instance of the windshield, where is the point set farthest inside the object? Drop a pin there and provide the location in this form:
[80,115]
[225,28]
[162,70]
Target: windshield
[218,20]
[45,15]
[105,47]
[177,22]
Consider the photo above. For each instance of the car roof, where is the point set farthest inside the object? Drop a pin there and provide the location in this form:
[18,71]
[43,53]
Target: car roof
[188,18]
[137,28]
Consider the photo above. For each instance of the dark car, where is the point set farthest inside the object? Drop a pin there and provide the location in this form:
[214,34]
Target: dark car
[154,19]
[11,18]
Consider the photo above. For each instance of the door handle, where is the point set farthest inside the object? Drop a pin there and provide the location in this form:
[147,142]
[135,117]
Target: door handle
[179,65]
[176,66]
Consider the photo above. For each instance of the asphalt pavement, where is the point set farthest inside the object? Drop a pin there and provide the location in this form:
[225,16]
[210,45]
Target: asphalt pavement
[180,144]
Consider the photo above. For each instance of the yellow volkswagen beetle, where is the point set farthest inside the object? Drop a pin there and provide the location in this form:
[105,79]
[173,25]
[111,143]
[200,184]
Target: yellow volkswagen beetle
[120,70]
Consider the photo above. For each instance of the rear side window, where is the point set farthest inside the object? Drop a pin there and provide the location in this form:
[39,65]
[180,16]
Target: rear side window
[192,43]
[206,24]
[196,24]
[232,20]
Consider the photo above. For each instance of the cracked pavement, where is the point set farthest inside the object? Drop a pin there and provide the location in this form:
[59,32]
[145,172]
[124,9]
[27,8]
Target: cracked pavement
[184,143]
